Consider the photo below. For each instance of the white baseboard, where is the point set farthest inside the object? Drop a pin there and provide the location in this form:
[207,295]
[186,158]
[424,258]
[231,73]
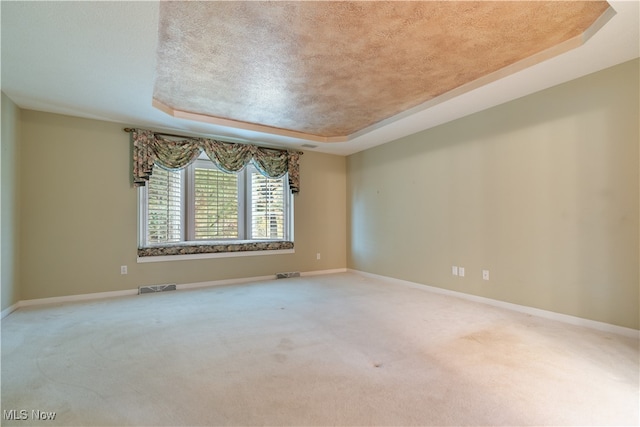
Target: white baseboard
[7,311]
[127,292]
[565,318]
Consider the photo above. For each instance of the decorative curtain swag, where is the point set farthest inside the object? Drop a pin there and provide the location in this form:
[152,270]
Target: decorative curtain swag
[150,148]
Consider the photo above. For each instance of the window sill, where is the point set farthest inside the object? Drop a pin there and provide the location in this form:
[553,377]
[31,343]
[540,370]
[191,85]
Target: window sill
[180,252]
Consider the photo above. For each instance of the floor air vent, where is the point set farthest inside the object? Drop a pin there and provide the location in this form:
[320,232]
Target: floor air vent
[155,288]
[287,275]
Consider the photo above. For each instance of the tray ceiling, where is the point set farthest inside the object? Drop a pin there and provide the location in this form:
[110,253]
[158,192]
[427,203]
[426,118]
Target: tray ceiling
[326,71]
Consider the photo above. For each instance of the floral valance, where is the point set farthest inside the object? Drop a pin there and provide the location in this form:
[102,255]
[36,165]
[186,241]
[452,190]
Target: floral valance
[150,148]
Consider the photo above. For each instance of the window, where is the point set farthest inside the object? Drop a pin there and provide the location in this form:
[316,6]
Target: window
[204,205]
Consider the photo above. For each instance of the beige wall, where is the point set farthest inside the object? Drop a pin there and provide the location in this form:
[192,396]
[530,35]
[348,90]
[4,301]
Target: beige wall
[79,215]
[9,205]
[542,191]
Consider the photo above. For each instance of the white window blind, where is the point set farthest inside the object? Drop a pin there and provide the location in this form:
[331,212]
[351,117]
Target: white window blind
[216,204]
[267,207]
[164,206]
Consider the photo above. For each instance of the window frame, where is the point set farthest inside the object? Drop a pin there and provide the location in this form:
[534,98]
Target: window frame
[188,228]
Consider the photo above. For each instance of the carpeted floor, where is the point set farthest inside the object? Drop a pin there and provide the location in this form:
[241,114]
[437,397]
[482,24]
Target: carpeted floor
[339,349]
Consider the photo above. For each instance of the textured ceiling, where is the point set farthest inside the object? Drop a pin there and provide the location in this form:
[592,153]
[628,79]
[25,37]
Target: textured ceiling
[327,70]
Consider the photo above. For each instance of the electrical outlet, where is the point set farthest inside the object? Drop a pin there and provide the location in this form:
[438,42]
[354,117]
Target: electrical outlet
[485,274]
[454,270]
[123,269]
[461,271]
[318,256]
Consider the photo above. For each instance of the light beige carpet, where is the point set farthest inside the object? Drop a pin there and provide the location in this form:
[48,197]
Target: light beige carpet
[327,350]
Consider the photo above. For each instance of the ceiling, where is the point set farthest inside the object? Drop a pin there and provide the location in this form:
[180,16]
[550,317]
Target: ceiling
[341,76]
